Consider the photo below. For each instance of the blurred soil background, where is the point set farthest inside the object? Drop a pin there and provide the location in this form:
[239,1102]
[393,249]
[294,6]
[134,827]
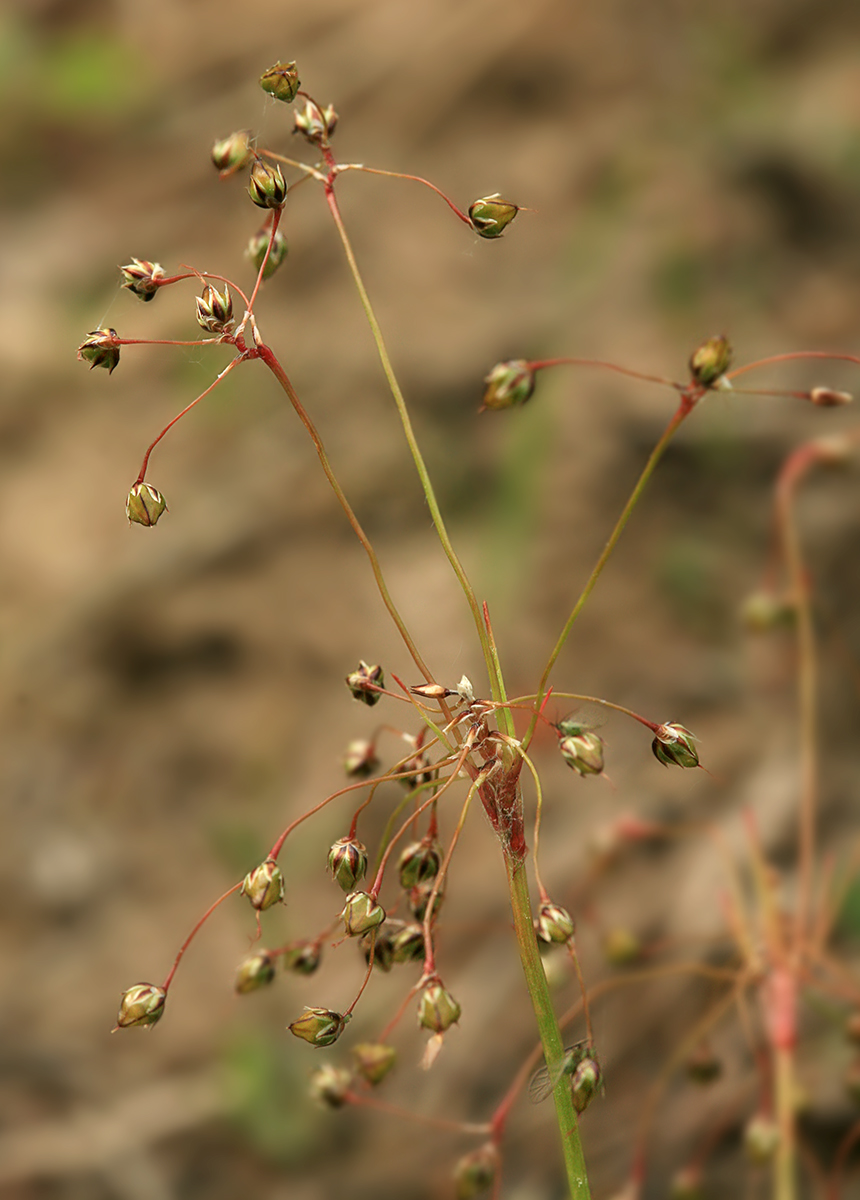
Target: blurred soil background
[173,698]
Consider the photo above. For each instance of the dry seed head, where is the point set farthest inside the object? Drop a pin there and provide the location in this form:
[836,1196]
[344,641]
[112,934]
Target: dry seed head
[99,349]
[364,682]
[142,277]
[144,505]
[142,1004]
[319,1026]
[491,215]
[267,187]
[281,81]
[476,1172]
[508,385]
[373,1060]
[264,886]
[361,913]
[711,360]
[437,1009]
[256,971]
[347,861]
[329,1085]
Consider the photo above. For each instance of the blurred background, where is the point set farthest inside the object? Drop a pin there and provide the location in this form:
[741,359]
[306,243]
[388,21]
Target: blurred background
[173,698]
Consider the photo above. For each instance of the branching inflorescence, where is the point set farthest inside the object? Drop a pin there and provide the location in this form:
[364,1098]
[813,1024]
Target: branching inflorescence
[464,744]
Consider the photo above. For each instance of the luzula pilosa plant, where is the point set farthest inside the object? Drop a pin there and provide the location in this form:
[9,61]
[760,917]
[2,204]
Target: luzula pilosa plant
[470,742]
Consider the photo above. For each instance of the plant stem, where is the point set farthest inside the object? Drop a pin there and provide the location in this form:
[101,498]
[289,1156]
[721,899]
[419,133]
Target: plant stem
[420,466]
[688,402]
[548,1028]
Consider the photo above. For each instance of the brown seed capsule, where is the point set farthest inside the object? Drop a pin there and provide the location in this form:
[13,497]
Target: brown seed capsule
[142,1004]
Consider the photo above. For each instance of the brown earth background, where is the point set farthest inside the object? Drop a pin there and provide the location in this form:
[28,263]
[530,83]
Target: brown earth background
[172,698]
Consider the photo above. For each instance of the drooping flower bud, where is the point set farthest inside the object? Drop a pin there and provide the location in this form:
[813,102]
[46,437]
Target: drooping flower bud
[419,862]
[144,505]
[315,124]
[761,1138]
[674,745]
[267,187]
[373,1060]
[584,1083]
[256,252]
[378,945]
[583,752]
[99,349]
[491,215]
[711,360]
[554,924]
[360,761]
[329,1085]
[281,81]
[264,886]
[141,277]
[232,153]
[142,1004]
[319,1026]
[508,385]
[347,861]
[763,611]
[408,944]
[437,1008]
[215,310]
[825,397]
[365,682]
[476,1172]
[361,913]
[621,947]
[254,972]
[419,898]
[303,957]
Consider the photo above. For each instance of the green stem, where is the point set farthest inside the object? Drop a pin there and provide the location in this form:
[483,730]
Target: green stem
[550,1035]
[420,466]
[283,379]
[688,402]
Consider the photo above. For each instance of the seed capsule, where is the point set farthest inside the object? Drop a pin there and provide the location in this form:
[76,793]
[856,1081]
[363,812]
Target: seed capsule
[508,385]
[142,1004]
[361,913]
[825,397]
[711,360]
[347,861]
[408,944]
[264,886]
[267,187]
[584,1083]
[215,310]
[256,971]
[303,957]
[437,1009]
[419,898]
[360,761]
[315,124]
[319,1026]
[142,277]
[99,349]
[373,1060]
[476,1172]
[419,862]
[281,81]
[364,683]
[232,153]
[491,215]
[674,745]
[554,924]
[329,1085]
[144,505]
[761,1138]
[583,753]
[256,252]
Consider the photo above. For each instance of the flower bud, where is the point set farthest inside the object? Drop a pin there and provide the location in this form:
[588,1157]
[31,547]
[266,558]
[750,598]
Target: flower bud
[491,215]
[584,1083]
[281,81]
[674,745]
[419,862]
[315,124]
[144,505]
[364,682]
[437,1008]
[762,612]
[380,945]
[508,385]
[99,349]
[554,924]
[303,957]
[360,761]
[621,947]
[711,360]
[703,1066]
[254,972]
[142,277]
[407,944]
[142,1004]
[347,861]
[267,187]
[476,1172]
[319,1026]
[419,898]
[264,886]
[232,153]
[256,252]
[361,913]
[761,1138]
[373,1060]
[828,398]
[583,752]
[329,1085]
[215,310]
